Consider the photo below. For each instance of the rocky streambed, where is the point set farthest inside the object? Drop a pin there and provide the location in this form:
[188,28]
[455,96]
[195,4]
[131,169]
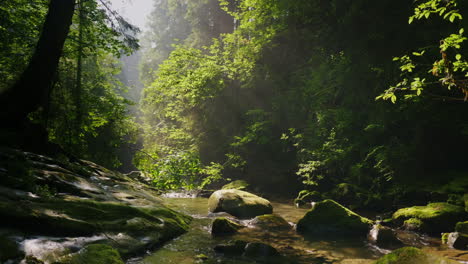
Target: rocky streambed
[52,210]
[70,211]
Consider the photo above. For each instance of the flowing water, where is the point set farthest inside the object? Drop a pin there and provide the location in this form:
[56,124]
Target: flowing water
[198,241]
[196,246]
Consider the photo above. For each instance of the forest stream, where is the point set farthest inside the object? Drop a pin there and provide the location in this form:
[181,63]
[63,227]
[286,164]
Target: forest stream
[233,131]
[196,246]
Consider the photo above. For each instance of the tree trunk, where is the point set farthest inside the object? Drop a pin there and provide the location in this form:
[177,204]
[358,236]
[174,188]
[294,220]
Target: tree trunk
[32,88]
[78,89]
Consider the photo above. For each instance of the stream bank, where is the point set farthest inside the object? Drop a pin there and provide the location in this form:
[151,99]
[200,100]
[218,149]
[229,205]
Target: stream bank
[52,208]
[56,210]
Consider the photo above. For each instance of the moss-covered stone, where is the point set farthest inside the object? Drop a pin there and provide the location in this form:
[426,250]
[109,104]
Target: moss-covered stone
[9,249]
[331,219]
[224,226]
[384,237]
[413,224]
[445,237]
[85,217]
[462,227]
[97,254]
[237,185]
[433,218]
[411,255]
[239,203]
[270,222]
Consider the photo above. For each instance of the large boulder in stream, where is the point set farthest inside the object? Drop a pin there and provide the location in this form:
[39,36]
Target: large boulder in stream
[411,255]
[270,222]
[72,203]
[329,218]
[239,203]
[433,218]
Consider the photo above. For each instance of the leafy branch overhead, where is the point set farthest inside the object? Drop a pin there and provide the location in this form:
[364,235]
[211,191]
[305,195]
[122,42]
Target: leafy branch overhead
[449,68]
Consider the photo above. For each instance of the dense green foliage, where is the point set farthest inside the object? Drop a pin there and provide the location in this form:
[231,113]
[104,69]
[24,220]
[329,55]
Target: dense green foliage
[86,113]
[281,94]
[286,97]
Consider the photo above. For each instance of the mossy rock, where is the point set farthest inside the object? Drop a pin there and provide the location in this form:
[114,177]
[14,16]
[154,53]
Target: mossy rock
[270,222]
[384,237]
[413,224]
[85,217]
[434,218]
[462,227]
[237,185]
[9,249]
[224,226]
[239,203]
[411,255]
[97,254]
[445,237]
[330,218]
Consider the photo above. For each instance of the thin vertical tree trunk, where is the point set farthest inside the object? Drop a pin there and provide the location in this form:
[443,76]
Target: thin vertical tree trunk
[79,66]
[32,88]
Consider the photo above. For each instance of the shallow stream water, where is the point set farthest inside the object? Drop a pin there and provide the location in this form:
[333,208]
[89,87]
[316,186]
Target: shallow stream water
[294,248]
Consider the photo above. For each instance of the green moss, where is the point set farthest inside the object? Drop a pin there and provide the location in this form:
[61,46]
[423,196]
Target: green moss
[238,185]
[224,226]
[239,203]
[435,217]
[462,227]
[84,217]
[445,237]
[330,218]
[411,255]
[413,224]
[97,254]
[270,222]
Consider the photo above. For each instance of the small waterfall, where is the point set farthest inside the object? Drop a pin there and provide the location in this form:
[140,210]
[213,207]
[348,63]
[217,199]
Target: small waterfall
[452,237]
[374,232]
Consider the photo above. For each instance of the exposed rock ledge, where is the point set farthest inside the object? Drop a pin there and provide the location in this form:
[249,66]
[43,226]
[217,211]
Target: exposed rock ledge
[64,205]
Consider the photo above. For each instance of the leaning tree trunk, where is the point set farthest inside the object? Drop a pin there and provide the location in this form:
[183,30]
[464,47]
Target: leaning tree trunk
[33,87]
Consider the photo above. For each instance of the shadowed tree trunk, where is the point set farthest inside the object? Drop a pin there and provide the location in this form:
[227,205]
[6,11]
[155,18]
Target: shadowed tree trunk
[33,87]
